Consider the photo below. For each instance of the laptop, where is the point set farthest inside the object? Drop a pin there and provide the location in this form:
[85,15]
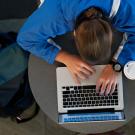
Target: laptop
[81,103]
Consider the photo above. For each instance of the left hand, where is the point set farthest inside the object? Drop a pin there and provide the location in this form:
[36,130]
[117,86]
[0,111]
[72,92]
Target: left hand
[107,81]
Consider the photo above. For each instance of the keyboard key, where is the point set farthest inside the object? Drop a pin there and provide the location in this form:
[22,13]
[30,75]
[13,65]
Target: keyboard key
[108,101]
[104,101]
[90,94]
[91,98]
[115,97]
[82,95]
[65,103]
[65,96]
[71,95]
[110,97]
[97,102]
[88,91]
[89,102]
[66,92]
[82,102]
[80,91]
[79,87]
[67,88]
[89,87]
[102,98]
[86,95]
[83,99]
[72,92]
[72,99]
[93,102]
[115,94]
[84,91]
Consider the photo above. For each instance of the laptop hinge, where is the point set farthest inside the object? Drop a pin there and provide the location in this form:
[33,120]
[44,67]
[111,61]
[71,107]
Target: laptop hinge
[91,110]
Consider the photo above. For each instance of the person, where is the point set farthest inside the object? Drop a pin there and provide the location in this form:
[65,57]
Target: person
[90,21]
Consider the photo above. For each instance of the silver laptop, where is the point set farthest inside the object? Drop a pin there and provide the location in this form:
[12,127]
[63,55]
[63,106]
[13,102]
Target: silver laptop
[81,103]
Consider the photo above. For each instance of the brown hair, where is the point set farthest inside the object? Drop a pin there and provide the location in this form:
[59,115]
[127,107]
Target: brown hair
[93,35]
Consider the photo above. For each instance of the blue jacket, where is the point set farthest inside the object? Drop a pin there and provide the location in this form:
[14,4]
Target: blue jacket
[56,17]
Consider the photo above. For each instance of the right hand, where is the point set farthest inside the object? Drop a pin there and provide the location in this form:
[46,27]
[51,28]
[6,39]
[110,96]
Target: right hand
[78,68]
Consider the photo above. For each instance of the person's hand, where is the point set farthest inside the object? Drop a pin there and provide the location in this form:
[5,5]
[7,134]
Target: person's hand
[79,68]
[107,81]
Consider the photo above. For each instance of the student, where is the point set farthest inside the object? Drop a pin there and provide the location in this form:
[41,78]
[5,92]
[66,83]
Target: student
[92,34]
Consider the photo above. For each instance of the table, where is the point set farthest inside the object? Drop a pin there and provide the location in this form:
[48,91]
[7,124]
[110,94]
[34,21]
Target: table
[42,77]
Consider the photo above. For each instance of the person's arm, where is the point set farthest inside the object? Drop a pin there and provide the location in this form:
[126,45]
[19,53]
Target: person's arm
[45,23]
[35,36]
[124,21]
[44,50]
[128,52]
[78,68]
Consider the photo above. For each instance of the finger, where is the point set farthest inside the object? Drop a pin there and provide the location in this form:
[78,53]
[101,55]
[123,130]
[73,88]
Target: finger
[113,88]
[103,88]
[81,75]
[88,67]
[76,79]
[108,89]
[86,72]
[98,86]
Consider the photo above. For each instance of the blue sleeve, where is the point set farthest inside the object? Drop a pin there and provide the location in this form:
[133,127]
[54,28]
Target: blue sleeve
[124,21]
[38,47]
[128,52]
[45,23]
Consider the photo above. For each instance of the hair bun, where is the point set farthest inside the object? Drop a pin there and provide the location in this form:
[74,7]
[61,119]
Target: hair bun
[89,14]
[93,13]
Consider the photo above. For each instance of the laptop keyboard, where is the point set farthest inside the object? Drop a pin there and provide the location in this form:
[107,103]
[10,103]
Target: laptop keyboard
[86,96]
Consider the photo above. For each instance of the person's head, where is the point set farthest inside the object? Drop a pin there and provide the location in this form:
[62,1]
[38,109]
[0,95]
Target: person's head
[93,36]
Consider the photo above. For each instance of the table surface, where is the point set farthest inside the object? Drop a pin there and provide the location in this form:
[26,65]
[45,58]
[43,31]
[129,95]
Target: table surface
[42,77]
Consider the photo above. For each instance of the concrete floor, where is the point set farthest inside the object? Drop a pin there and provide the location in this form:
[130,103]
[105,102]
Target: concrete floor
[41,124]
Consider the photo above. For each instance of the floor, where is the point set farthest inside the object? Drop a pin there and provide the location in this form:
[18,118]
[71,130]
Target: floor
[41,124]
